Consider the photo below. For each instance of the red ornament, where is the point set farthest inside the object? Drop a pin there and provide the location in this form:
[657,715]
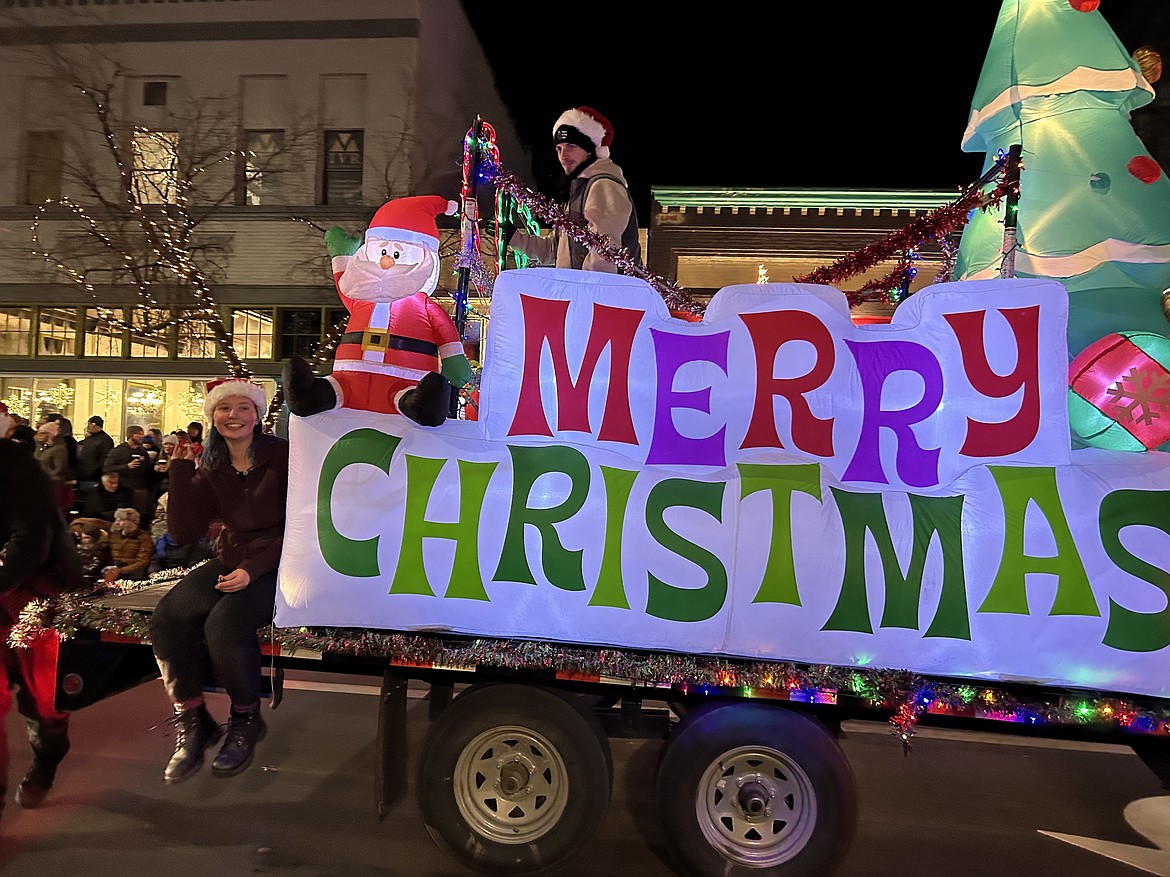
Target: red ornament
[1125,379]
[1144,168]
[1084,5]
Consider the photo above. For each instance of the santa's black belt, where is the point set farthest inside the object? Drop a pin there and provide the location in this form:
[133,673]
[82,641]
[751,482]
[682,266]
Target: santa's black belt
[372,339]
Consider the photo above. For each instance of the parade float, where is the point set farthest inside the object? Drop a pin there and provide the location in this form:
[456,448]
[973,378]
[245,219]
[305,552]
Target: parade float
[763,515]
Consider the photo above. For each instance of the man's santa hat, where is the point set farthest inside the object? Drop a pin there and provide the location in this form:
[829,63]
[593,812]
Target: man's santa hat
[585,127]
[5,421]
[412,221]
[219,390]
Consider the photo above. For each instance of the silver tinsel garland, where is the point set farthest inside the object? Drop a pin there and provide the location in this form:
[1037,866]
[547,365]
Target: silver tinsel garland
[904,695]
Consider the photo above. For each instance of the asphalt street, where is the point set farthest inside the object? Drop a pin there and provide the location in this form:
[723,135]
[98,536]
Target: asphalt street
[960,804]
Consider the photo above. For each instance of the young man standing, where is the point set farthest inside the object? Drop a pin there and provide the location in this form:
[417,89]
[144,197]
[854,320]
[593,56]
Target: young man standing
[593,192]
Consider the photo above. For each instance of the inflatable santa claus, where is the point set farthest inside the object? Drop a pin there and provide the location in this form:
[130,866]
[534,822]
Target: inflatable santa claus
[401,352]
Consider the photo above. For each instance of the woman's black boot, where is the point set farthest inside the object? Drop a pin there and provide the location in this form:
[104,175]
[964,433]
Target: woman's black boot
[244,731]
[196,731]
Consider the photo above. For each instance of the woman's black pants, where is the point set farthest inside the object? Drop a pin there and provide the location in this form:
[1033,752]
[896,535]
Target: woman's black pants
[192,613]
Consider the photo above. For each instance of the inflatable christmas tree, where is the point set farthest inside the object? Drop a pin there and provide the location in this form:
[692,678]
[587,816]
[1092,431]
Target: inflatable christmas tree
[1094,207]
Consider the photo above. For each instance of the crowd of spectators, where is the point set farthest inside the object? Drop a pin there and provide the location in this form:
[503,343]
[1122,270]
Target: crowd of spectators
[115,494]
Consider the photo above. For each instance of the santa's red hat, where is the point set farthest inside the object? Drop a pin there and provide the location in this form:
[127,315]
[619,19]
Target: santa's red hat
[219,390]
[588,122]
[412,221]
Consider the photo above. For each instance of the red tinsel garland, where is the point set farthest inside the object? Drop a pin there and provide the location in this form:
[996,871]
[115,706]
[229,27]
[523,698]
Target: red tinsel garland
[676,299]
[936,225]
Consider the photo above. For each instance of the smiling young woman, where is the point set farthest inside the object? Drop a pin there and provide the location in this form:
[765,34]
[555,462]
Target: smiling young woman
[241,482]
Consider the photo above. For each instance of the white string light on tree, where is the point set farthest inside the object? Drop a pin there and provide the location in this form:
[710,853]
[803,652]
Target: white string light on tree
[145,238]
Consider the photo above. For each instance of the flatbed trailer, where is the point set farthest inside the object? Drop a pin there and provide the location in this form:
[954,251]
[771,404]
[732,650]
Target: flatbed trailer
[771,520]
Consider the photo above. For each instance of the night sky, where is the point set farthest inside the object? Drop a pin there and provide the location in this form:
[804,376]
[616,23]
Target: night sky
[786,95]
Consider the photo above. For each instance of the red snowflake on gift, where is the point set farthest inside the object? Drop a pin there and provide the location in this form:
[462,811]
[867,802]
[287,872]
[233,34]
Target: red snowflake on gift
[1141,395]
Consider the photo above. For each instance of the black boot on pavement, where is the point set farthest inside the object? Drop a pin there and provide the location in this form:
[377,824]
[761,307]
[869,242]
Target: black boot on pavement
[244,731]
[197,730]
[35,786]
[50,743]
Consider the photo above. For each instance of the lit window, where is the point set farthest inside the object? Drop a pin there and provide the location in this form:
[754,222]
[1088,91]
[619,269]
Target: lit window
[52,396]
[252,333]
[150,336]
[17,394]
[343,167]
[144,403]
[16,331]
[264,164]
[43,166]
[156,166]
[196,340]
[101,338]
[57,332]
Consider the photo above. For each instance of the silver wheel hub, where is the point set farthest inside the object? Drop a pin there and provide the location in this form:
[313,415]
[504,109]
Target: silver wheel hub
[511,785]
[756,806]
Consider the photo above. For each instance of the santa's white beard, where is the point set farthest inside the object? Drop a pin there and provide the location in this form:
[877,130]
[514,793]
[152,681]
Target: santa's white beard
[366,281]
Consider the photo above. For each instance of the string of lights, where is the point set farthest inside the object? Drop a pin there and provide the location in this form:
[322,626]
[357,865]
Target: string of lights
[145,237]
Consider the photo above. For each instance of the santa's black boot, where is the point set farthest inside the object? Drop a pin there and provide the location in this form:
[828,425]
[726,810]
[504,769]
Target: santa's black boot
[304,392]
[429,401]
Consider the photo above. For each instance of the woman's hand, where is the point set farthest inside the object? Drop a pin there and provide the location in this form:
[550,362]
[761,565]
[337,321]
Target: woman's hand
[185,451]
[236,580]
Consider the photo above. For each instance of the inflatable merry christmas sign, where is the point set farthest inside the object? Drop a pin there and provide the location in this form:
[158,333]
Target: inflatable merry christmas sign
[772,482]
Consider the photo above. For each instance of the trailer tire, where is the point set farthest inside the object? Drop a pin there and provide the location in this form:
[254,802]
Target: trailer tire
[512,779]
[755,789]
[587,710]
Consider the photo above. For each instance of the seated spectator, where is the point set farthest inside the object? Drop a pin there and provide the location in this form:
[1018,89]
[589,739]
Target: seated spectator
[168,554]
[94,552]
[108,498]
[130,546]
[77,527]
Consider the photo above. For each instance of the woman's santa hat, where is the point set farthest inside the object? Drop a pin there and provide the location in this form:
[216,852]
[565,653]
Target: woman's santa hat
[585,127]
[222,389]
[5,421]
[412,221]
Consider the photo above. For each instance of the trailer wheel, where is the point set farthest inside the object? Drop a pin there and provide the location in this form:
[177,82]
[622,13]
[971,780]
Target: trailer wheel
[513,780]
[752,789]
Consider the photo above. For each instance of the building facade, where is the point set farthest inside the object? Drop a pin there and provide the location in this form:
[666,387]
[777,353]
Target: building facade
[240,130]
[703,239]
